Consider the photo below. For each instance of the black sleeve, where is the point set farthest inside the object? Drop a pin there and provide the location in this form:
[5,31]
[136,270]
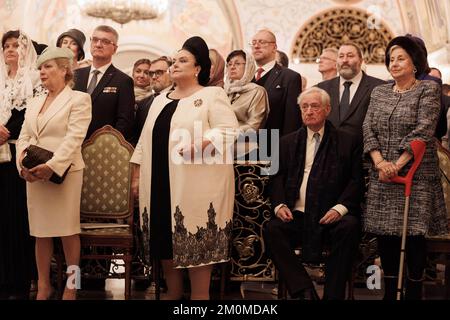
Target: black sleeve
[125,109]
[441,128]
[292,118]
[353,192]
[278,181]
[141,115]
[14,125]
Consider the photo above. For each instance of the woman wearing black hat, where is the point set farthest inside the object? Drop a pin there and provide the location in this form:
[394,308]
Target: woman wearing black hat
[187,203]
[399,113]
[73,39]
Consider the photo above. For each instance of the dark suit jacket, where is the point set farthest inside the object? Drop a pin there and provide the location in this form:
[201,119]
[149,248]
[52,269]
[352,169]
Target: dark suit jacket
[283,87]
[141,115]
[112,100]
[354,119]
[336,177]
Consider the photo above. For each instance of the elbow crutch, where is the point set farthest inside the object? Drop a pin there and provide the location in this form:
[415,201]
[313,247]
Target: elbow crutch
[418,149]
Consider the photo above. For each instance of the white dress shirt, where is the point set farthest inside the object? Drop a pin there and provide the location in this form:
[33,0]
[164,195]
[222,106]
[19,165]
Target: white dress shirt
[355,84]
[309,160]
[101,70]
[267,67]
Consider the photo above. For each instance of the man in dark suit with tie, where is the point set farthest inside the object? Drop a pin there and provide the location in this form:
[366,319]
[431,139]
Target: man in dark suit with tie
[112,94]
[316,197]
[283,85]
[111,90]
[161,83]
[350,91]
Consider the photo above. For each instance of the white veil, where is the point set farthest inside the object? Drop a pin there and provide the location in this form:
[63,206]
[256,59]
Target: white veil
[13,93]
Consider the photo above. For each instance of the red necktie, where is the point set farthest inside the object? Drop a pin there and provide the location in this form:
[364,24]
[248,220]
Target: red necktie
[258,73]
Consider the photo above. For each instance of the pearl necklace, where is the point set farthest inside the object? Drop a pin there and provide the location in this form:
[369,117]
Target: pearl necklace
[412,86]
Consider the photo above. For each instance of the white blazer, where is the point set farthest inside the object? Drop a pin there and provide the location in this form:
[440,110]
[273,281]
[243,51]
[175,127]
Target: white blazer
[61,130]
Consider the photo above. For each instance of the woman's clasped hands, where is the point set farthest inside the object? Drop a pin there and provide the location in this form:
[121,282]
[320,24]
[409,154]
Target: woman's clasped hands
[387,170]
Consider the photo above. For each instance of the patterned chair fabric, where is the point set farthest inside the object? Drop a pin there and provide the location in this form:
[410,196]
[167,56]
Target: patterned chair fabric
[106,205]
[441,244]
[106,182]
[444,166]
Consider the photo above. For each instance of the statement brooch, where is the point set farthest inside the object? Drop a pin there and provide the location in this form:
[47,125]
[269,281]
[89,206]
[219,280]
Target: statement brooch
[198,103]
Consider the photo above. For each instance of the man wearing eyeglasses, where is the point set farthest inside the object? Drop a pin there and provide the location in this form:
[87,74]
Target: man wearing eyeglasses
[327,63]
[350,91]
[161,84]
[283,85]
[316,197]
[111,90]
[112,95]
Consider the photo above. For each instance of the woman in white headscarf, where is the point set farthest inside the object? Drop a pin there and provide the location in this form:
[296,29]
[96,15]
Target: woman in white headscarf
[249,101]
[19,80]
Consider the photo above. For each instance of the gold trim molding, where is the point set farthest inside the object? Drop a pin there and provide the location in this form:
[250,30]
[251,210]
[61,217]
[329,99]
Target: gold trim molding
[339,25]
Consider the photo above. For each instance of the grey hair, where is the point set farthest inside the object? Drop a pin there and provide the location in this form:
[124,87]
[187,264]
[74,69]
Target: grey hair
[332,50]
[108,29]
[324,96]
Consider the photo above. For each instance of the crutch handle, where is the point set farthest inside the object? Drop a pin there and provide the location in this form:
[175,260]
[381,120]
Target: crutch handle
[418,148]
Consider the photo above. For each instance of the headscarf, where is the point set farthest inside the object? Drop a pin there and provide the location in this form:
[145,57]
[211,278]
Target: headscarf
[218,66]
[21,87]
[141,94]
[245,83]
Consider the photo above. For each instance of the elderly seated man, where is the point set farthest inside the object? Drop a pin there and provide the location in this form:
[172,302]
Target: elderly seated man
[316,197]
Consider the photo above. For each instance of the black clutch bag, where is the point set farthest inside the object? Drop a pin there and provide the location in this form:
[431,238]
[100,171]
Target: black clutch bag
[35,156]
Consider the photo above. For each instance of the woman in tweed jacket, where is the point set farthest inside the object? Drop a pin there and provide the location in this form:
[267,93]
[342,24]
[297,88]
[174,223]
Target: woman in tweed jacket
[399,113]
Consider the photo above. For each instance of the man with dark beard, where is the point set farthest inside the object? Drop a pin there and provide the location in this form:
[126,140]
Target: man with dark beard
[350,91]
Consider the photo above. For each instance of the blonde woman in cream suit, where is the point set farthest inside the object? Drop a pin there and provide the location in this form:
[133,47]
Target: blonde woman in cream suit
[57,122]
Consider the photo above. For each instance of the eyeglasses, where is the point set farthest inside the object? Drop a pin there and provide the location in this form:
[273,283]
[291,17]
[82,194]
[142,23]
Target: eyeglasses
[324,58]
[157,73]
[235,64]
[314,107]
[260,43]
[103,41]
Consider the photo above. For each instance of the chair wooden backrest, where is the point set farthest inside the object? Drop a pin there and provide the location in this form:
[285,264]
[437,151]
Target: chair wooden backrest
[106,210]
[106,192]
[441,244]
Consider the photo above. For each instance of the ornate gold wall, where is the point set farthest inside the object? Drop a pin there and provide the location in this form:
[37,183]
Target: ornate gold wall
[336,26]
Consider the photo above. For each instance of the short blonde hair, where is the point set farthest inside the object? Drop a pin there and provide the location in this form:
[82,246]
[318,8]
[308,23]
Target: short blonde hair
[64,63]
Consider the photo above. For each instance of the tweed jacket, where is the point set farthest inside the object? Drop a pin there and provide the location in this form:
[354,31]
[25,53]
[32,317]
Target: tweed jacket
[393,120]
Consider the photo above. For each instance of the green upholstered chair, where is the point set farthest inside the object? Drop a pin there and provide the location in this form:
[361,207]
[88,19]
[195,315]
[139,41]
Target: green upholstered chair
[106,206]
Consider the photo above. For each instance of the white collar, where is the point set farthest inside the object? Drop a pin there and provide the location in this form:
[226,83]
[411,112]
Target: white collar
[267,67]
[355,80]
[102,69]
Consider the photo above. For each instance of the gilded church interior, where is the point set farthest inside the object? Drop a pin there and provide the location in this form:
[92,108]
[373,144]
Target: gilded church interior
[303,29]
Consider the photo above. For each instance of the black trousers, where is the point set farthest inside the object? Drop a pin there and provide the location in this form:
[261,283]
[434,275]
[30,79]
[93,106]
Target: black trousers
[416,259]
[343,237]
